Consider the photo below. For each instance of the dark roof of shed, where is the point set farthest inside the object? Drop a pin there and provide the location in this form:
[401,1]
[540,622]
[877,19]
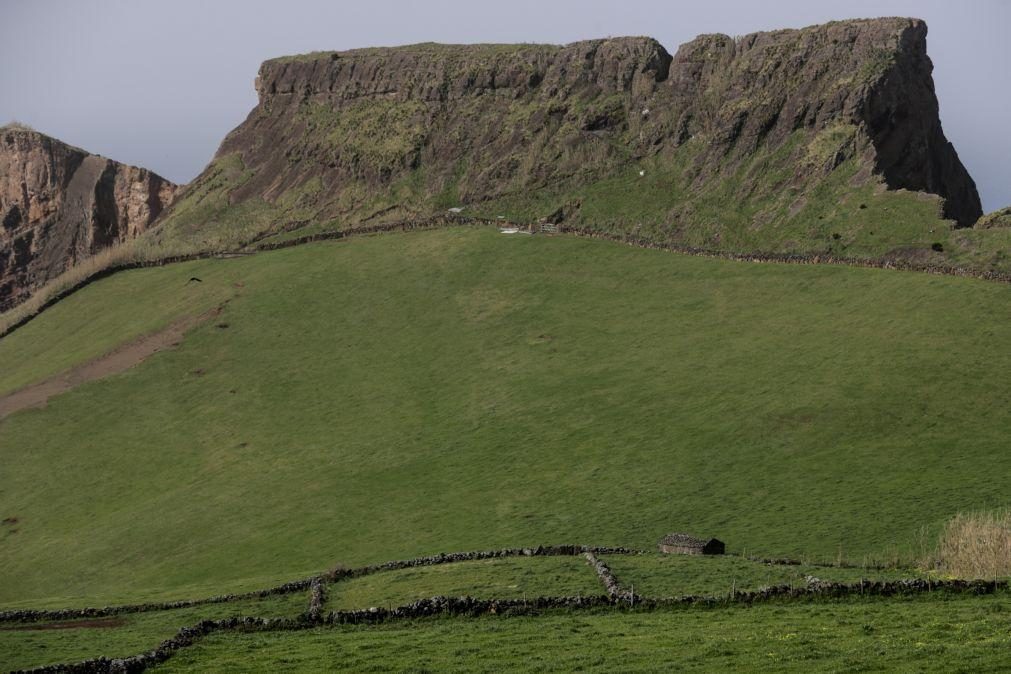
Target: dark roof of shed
[683,540]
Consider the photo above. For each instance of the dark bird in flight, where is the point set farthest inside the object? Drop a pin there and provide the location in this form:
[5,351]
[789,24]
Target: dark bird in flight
[194,278]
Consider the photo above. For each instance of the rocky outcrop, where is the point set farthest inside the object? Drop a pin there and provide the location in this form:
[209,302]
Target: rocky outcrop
[999,218]
[872,75]
[60,205]
[745,143]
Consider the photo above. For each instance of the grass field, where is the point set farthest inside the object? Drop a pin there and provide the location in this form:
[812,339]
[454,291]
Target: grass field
[490,578]
[909,635]
[407,394]
[125,314]
[35,644]
[656,575]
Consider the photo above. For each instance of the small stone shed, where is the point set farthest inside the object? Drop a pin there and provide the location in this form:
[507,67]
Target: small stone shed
[683,544]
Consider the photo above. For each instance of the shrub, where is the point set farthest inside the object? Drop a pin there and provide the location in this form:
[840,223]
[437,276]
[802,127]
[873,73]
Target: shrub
[976,545]
[938,246]
[16,125]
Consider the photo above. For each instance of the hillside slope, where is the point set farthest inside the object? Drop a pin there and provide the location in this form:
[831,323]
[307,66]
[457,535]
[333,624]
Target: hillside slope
[59,205]
[820,139]
[407,394]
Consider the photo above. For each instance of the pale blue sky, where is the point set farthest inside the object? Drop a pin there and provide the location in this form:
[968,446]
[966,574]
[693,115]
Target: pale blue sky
[159,84]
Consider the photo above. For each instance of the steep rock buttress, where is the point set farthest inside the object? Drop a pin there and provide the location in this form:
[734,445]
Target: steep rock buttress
[60,205]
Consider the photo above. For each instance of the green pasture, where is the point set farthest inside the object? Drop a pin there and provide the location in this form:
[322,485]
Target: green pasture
[510,578]
[899,635]
[24,645]
[407,394]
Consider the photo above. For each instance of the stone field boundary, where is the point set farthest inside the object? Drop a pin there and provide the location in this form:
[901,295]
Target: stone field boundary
[614,597]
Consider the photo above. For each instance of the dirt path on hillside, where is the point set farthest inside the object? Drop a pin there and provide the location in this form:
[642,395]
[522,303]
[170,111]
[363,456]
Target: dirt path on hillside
[118,360]
[69,625]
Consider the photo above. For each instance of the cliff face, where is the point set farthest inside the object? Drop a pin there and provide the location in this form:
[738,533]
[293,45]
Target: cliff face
[758,141]
[872,75]
[60,205]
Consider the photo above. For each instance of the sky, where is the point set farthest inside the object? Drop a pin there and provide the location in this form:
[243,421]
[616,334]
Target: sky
[159,84]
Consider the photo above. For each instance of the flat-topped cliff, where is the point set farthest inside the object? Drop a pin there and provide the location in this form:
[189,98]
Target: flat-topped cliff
[782,140]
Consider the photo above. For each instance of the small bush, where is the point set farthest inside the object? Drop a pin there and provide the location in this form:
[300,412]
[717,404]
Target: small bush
[15,124]
[976,545]
[937,246]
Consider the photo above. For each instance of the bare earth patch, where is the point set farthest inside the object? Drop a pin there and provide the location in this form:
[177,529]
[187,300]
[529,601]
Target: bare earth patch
[93,623]
[120,359]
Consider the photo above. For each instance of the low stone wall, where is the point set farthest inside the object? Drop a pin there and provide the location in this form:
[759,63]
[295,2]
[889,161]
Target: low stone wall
[469,606]
[316,584]
[831,590]
[449,558]
[317,598]
[185,637]
[436,222]
[35,615]
[792,258]
[610,582]
[786,561]
[463,606]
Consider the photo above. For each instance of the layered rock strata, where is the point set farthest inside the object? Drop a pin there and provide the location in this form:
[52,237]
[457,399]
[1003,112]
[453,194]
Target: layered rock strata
[60,205]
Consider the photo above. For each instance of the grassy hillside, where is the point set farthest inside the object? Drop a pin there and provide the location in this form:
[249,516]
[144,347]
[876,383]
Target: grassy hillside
[414,393]
[167,295]
[895,635]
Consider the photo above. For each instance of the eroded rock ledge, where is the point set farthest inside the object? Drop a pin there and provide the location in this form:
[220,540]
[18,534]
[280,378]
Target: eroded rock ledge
[60,205]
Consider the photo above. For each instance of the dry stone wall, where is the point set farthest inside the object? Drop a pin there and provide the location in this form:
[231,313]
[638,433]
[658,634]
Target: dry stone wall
[316,585]
[36,615]
[610,582]
[317,598]
[471,607]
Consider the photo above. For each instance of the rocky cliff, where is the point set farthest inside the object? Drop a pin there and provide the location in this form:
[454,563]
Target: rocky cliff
[792,140]
[60,205]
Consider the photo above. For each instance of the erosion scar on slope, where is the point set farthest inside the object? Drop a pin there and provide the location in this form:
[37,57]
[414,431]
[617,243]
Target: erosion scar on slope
[120,359]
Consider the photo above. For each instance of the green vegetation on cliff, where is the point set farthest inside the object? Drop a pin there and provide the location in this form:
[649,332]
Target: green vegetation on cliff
[752,205]
[1000,218]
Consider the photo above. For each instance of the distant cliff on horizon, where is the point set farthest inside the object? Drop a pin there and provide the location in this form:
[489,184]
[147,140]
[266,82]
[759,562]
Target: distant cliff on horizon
[60,205]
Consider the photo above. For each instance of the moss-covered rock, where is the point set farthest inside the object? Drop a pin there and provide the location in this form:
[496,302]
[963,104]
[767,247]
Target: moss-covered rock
[1001,218]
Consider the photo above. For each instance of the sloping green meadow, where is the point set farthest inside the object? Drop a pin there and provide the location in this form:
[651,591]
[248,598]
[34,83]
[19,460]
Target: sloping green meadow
[406,394]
